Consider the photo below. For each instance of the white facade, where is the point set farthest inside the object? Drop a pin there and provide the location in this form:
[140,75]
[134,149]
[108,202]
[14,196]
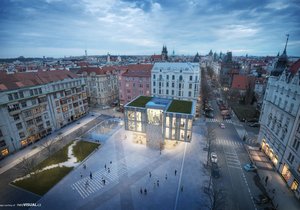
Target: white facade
[279,132]
[176,80]
[29,113]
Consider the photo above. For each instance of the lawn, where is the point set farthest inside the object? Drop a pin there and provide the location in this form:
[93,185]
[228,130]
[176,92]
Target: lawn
[244,111]
[180,106]
[58,157]
[83,148]
[42,182]
[140,101]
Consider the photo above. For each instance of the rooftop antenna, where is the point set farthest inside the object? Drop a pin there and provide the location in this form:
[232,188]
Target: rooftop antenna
[287,39]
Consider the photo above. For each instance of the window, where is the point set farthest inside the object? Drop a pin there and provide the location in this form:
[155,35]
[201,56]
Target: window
[154,83]
[19,126]
[154,90]
[141,85]
[153,76]
[23,104]
[291,158]
[21,94]
[10,97]
[16,117]
[295,94]
[191,78]
[167,76]
[172,92]
[167,84]
[180,78]
[285,104]
[16,96]
[29,122]
[147,86]
[22,135]
[31,92]
[38,119]
[33,101]
[296,144]
[190,86]
[190,93]
[167,92]
[133,84]
[173,84]
[2,143]
[173,77]
[48,123]
[291,107]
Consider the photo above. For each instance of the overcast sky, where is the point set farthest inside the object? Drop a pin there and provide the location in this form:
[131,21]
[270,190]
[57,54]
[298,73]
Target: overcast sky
[57,28]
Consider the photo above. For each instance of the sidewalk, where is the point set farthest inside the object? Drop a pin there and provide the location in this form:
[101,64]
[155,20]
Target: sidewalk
[14,159]
[282,197]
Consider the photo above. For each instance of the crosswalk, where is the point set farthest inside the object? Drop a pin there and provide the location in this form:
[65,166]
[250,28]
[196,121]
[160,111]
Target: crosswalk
[219,120]
[87,186]
[232,159]
[229,142]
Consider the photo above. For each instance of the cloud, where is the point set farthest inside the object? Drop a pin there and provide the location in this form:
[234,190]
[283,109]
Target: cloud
[139,27]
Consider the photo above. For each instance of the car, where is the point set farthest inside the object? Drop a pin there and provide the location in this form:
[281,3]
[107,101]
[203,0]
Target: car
[213,157]
[225,117]
[222,125]
[261,199]
[215,172]
[250,167]
[209,115]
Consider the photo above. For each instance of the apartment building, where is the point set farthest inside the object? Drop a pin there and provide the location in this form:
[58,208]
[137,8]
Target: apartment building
[280,123]
[134,81]
[176,80]
[101,85]
[33,104]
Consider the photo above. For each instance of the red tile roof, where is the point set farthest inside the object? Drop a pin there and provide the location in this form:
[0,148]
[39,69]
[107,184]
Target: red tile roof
[26,79]
[240,82]
[295,67]
[138,70]
[97,70]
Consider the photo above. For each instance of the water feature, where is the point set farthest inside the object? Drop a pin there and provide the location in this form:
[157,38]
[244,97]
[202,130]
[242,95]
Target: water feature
[103,130]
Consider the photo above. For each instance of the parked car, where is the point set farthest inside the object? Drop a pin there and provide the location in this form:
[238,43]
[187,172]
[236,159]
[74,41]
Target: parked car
[261,199]
[209,115]
[222,125]
[215,172]
[250,167]
[213,157]
[225,117]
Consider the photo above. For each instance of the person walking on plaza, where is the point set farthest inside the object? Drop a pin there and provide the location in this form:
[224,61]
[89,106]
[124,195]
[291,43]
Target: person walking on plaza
[150,174]
[108,169]
[80,175]
[141,191]
[157,183]
[166,177]
[145,191]
[91,175]
[266,180]
[181,188]
[105,166]
[84,166]
[175,172]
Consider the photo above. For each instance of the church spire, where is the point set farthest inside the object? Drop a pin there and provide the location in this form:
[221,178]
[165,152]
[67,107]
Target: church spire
[287,39]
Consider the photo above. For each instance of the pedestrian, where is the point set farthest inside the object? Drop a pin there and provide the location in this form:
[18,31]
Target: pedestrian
[80,175]
[103,181]
[166,177]
[105,166]
[145,191]
[175,172]
[157,183]
[87,183]
[108,170]
[181,188]
[110,162]
[150,174]
[91,175]
[84,166]
[266,180]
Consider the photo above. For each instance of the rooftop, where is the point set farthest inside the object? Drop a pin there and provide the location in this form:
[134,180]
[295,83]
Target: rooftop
[140,101]
[180,106]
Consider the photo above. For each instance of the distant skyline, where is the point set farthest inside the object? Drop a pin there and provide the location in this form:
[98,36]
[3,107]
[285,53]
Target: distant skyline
[58,28]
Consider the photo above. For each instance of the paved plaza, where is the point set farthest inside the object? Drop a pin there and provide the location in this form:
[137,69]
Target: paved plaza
[135,177]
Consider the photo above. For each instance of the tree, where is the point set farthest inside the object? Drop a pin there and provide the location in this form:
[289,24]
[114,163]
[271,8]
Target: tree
[216,198]
[26,165]
[49,146]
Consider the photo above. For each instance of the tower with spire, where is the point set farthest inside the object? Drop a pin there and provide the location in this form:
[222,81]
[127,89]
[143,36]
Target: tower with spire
[282,61]
[164,53]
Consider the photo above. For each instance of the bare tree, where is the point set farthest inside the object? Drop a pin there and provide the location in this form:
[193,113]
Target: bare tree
[216,198]
[26,165]
[49,146]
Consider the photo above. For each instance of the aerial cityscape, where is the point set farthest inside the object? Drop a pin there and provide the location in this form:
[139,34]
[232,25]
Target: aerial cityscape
[151,104]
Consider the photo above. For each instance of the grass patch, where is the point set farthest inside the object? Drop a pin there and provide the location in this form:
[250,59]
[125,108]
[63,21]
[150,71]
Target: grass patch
[244,111]
[42,182]
[180,106]
[83,148]
[140,101]
[58,157]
